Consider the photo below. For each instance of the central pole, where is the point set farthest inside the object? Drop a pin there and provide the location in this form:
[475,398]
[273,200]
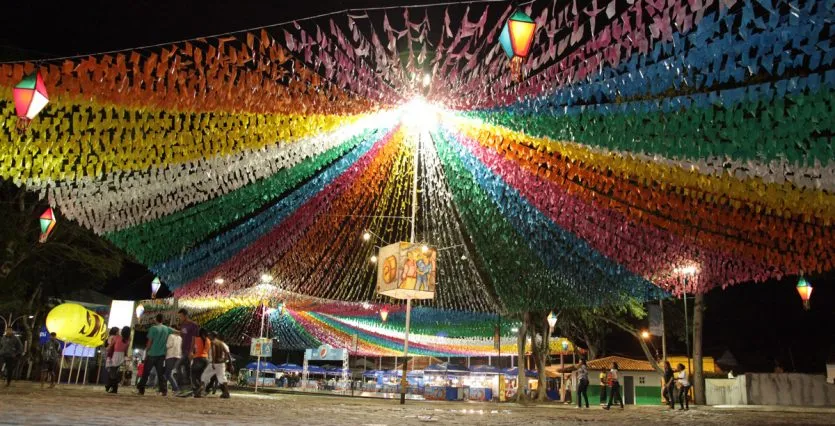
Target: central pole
[663,331]
[260,336]
[404,382]
[686,326]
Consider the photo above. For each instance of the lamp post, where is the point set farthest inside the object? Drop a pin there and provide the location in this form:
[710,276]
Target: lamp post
[687,272]
[645,334]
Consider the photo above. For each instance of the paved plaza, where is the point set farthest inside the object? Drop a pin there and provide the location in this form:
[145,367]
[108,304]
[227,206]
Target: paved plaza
[26,404]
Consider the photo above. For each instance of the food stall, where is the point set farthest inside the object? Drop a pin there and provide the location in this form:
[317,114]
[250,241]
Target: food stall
[267,373]
[482,383]
[511,376]
[444,381]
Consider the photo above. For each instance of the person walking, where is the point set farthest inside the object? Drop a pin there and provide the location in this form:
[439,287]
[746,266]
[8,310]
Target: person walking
[582,384]
[188,332]
[604,386]
[199,361]
[50,354]
[10,351]
[117,351]
[109,344]
[615,385]
[155,356]
[683,385]
[669,385]
[220,356]
[173,348]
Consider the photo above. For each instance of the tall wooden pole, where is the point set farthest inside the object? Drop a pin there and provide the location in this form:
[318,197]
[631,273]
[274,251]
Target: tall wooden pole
[698,373]
[663,332]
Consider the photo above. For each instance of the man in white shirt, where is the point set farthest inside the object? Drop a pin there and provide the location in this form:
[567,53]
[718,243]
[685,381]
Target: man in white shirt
[173,353]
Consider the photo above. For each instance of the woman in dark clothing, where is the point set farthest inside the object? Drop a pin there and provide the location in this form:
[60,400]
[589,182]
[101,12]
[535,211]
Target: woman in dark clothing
[669,385]
[582,384]
[615,385]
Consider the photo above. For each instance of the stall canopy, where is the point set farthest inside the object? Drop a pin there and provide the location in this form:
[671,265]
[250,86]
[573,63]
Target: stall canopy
[446,368]
[513,372]
[485,369]
[289,368]
[265,366]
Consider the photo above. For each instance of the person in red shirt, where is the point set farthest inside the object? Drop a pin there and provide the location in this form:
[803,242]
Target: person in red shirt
[140,368]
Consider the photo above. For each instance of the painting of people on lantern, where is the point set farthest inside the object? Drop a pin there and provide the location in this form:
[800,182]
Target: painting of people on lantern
[408,266]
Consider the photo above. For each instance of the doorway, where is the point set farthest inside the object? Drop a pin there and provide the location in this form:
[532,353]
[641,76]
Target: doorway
[628,390]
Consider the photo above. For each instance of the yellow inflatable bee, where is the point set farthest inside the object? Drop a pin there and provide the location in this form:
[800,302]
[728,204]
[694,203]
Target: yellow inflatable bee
[76,324]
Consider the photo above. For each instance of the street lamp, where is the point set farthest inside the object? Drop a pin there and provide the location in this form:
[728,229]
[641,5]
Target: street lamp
[687,272]
[805,291]
[552,320]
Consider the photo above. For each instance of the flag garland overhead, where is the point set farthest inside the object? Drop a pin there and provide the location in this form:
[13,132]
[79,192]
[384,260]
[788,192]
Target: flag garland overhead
[646,138]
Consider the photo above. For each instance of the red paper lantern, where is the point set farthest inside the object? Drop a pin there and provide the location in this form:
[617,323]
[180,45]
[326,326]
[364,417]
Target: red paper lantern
[30,98]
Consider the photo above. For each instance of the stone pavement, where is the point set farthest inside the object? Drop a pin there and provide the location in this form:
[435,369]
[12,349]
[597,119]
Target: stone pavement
[26,403]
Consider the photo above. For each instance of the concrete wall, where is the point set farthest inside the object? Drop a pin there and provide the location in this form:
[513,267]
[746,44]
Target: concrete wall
[726,391]
[771,389]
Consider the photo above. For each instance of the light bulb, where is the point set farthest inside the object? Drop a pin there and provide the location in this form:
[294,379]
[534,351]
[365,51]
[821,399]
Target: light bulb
[426,80]
[266,278]
[366,236]
[219,281]
[373,259]
[424,248]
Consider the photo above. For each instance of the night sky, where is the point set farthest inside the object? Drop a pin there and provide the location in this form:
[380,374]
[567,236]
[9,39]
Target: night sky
[758,322]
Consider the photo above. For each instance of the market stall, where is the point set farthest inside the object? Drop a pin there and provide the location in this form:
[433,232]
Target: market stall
[445,381]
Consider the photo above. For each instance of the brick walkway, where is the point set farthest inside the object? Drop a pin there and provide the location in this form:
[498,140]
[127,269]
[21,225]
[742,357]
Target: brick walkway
[25,403]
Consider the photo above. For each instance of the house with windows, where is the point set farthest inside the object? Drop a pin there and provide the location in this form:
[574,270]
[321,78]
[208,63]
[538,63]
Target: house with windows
[640,383]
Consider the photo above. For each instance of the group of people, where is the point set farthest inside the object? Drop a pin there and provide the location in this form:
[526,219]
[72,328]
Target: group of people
[676,380]
[609,384]
[182,354]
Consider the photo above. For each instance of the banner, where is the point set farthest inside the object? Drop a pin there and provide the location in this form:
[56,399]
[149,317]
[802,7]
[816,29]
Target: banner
[656,328]
[407,271]
[262,347]
[325,353]
[121,314]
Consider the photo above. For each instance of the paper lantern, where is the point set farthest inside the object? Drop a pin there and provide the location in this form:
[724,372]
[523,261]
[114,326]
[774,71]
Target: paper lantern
[76,324]
[29,98]
[805,291]
[47,224]
[155,285]
[517,35]
[516,38]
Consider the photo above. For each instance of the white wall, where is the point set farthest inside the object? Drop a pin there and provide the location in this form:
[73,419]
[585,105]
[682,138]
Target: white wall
[771,389]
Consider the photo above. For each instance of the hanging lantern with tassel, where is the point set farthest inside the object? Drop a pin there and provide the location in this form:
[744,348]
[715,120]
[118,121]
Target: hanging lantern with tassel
[805,291]
[30,98]
[47,220]
[516,39]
